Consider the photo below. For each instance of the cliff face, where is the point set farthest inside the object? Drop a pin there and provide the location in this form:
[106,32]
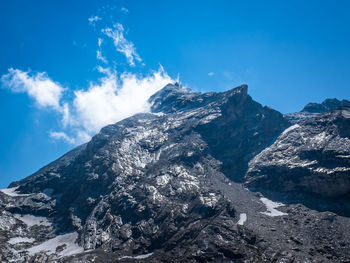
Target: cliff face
[167,187]
[309,159]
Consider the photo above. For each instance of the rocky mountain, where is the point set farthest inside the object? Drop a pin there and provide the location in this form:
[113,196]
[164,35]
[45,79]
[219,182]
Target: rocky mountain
[309,162]
[326,105]
[180,184]
[313,109]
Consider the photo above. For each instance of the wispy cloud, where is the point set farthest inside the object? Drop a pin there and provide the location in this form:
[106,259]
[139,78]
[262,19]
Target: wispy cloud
[75,43]
[39,86]
[211,74]
[99,42]
[124,10]
[62,136]
[122,44]
[93,19]
[100,57]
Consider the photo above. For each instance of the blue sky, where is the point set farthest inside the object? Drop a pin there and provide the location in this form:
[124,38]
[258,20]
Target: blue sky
[288,52]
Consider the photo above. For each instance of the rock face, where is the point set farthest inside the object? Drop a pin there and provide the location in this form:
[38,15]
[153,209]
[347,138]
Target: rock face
[167,187]
[310,159]
[312,109]
[327,105]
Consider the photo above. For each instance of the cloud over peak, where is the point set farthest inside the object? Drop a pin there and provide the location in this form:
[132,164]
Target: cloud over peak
[110,99]
[114,98]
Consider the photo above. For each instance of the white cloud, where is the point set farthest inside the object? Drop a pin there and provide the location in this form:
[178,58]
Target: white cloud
[210,74]
[113,99]
[92,20]
[121,44]
[65,115]
[62,136]
[99,42]
[124,10]
[39,86]
[100,57]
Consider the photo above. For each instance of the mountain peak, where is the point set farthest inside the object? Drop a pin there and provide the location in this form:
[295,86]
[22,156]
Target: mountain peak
[241,89]
[172,88]
[171,97]
[326,105]
[174,97]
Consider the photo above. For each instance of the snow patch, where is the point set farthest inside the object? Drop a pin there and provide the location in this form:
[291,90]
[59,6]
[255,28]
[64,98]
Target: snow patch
[156,196]
[346,114]
[210,200]
[271,207]
[293,127]
[31,220]
[17,240]
[242,219]
[189,181]
[319,137]
[158,113]
[6,221]
[209,118]
[66,240]
[137,257]
[343,156]
[185,208]
[162,180]
[12,192]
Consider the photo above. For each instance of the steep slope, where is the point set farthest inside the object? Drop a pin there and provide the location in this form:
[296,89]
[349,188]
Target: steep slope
[310,161]
[155,188]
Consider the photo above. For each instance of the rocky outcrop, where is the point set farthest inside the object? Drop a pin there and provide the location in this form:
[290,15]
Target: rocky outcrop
[310,158]
[327,105]
[313,109]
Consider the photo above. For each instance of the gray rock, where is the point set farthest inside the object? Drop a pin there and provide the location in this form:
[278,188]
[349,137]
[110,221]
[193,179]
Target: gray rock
[309,161]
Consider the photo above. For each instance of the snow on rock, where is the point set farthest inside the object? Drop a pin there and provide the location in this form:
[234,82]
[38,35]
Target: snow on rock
[156,196]
[242,219]
[319,138]
[12,192]
[271,207]
[66,241]
[137,257]
[209,118]
[162,180]
[210,200]
[346,114]
[31,220]
[295,126]
[6,221]
[17,240]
